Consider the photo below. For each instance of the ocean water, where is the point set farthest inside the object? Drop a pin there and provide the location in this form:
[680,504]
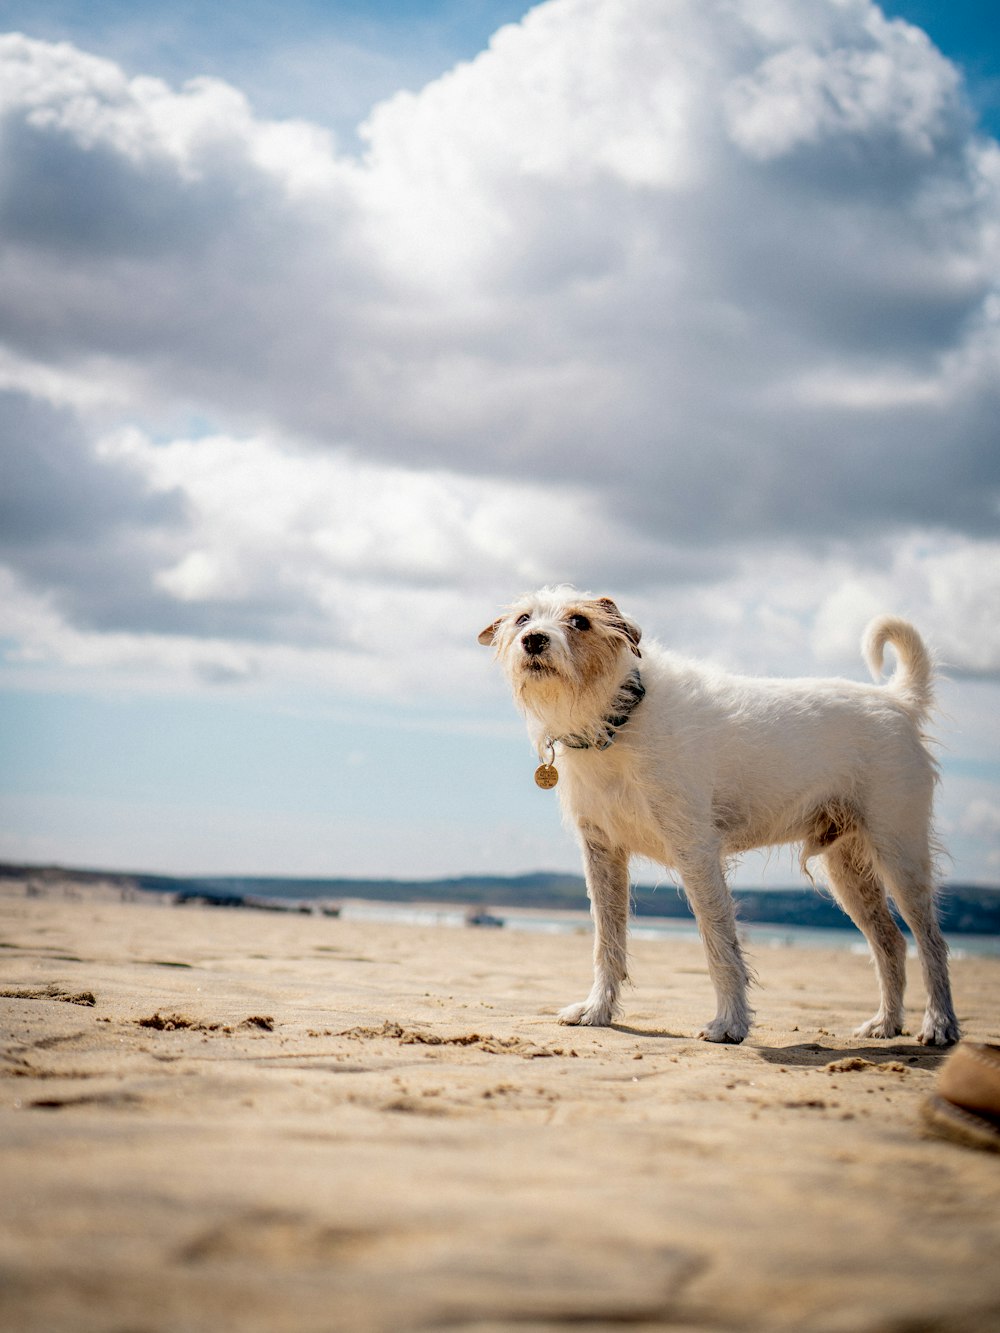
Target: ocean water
[755,936]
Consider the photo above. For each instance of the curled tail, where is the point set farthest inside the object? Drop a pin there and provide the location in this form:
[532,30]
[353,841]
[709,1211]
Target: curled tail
[913,679]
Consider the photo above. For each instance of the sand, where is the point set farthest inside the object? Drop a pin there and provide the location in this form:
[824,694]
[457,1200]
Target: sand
[218,1119]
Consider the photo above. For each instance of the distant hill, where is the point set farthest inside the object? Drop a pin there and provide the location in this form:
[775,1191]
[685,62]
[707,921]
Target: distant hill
[965,908]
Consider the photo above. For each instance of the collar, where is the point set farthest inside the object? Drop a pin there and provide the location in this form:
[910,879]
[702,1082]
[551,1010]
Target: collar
[630,695]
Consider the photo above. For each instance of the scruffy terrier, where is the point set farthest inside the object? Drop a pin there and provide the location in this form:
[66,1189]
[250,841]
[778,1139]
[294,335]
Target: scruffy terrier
[686,765]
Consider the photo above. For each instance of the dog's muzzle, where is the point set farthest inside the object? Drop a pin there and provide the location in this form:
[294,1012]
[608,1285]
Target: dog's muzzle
[534,643]
[536,658]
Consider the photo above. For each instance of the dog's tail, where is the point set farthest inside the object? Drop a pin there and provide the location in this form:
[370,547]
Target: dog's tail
[913,679]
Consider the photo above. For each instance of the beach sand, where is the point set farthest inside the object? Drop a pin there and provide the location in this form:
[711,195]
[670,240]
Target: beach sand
[219,1119]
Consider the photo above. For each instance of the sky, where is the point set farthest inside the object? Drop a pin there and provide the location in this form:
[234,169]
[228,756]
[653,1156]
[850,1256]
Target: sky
[326,330]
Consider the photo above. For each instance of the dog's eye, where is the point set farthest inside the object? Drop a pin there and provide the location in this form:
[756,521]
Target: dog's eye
[522,620]
[579,622]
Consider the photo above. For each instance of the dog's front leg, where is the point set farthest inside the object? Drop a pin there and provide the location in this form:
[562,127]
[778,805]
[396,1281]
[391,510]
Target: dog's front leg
[709,896]
[608,888]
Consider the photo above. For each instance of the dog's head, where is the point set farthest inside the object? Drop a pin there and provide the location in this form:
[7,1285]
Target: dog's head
[561,646]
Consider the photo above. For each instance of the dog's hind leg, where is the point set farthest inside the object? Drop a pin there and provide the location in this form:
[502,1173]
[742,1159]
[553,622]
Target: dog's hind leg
[608,889]
[712,903]
[859,891]
[910,884]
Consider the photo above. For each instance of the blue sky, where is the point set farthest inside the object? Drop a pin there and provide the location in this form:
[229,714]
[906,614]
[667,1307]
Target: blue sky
[327,329]
[326,62]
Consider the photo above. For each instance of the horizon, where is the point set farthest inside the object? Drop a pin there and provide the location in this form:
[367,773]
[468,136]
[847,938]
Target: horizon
[944,886]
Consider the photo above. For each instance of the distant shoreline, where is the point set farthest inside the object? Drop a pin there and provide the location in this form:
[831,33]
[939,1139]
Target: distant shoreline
[964,909]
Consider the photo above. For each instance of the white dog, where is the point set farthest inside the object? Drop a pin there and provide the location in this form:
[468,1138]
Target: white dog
[671,760]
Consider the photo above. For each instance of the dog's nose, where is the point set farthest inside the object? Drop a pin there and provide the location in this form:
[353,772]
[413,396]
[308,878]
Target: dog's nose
[534,643]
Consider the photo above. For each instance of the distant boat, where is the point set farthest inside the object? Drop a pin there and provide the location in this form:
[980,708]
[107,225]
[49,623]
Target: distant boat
[475,917]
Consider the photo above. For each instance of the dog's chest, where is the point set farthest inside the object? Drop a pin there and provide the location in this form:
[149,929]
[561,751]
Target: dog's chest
[605,791]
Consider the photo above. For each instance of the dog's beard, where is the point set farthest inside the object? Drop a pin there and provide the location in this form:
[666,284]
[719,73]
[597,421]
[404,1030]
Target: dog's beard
[537,674]
[540,684]
[548,664]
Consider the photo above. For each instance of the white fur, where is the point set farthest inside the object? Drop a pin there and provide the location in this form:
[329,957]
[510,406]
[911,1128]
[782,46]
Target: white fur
[710,765]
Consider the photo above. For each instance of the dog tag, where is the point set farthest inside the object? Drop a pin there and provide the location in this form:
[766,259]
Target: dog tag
[546,775]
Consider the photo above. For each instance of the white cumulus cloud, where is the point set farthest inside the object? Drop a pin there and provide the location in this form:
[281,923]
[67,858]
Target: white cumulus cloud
[695,302]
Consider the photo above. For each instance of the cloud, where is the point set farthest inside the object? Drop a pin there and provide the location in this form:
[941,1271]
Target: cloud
[695,300]
[950,586]
[232,558]
[870,80]
[681,285]
[54,488]
[71,526]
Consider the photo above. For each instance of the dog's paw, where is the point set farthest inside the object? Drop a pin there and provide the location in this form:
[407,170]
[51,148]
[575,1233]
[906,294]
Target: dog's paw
[879,1027]
[585,1014]
[939,1030]
[728,1030]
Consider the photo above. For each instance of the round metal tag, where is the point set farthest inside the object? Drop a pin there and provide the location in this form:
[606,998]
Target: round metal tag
[546,775]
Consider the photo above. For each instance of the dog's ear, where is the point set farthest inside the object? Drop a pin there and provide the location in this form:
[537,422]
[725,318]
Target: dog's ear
[489,633]
[628,629]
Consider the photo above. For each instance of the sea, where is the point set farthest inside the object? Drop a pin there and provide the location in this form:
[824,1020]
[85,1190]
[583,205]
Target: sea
[754,935]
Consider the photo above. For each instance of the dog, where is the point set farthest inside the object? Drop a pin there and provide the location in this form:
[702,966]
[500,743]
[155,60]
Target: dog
[689,766]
